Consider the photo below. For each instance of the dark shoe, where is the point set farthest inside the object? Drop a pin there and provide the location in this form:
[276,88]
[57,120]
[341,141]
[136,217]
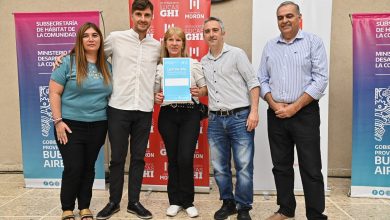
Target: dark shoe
[243,215]
[140,211]
[110,209]
[228,208]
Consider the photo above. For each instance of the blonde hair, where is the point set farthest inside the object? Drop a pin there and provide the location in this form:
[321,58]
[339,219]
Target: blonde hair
[81,61]
[169,33]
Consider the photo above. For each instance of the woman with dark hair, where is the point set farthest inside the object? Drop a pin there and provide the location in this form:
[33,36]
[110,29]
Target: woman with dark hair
[179,124]
[79,90]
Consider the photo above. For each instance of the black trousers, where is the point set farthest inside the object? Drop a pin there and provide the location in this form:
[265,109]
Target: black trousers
[79,156]
[121,124]
[303,131]
[179,128]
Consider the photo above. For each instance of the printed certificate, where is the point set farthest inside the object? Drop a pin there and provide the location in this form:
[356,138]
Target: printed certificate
[177,80]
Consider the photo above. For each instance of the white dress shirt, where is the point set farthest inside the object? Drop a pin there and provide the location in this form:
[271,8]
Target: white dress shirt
[134,64]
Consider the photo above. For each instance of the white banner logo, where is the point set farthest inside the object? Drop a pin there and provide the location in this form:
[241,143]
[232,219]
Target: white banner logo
[45,110]
[194,51]
[167,26]
[169,13]
[382,111]
[194,4]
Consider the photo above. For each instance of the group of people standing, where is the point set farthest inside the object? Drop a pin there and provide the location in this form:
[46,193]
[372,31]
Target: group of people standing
[89,98]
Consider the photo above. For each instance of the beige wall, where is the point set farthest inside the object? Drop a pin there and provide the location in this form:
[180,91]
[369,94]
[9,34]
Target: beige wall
[237,15]
[237,18]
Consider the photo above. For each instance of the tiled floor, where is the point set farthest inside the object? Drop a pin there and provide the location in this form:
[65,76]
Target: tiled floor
[17,202]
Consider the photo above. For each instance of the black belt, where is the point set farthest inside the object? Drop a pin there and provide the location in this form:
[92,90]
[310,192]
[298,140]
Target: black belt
[229,112]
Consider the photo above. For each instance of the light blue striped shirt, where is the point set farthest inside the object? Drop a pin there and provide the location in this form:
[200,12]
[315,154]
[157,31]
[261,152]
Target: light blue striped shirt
[287,70]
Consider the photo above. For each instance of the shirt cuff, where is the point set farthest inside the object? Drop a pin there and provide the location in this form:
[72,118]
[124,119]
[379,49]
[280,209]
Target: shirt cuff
[314,93]
[201,83]
[254,85]
[264,89]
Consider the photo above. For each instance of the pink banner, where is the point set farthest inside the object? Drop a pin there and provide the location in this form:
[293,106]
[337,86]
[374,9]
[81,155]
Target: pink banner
[40,37]
[371,106]
[188,15]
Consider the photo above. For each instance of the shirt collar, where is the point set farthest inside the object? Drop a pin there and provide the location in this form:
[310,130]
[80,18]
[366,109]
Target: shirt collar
[298,36]
[226,48]
[136,35]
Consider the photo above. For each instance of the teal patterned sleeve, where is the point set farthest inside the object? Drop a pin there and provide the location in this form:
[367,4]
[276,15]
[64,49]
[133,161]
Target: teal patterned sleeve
[60,74]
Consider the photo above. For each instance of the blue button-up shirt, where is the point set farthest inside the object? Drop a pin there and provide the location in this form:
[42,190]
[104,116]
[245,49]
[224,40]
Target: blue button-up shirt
[287,70]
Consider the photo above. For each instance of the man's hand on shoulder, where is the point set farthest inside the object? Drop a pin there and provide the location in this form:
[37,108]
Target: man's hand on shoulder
[57,62]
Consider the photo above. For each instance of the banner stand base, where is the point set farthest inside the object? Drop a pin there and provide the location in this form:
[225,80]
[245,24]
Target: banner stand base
[163,188]
[297,192]
[375,192]
[98,184]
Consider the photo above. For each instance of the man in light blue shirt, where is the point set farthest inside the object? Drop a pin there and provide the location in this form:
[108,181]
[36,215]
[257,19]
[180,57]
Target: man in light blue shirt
[293,76]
